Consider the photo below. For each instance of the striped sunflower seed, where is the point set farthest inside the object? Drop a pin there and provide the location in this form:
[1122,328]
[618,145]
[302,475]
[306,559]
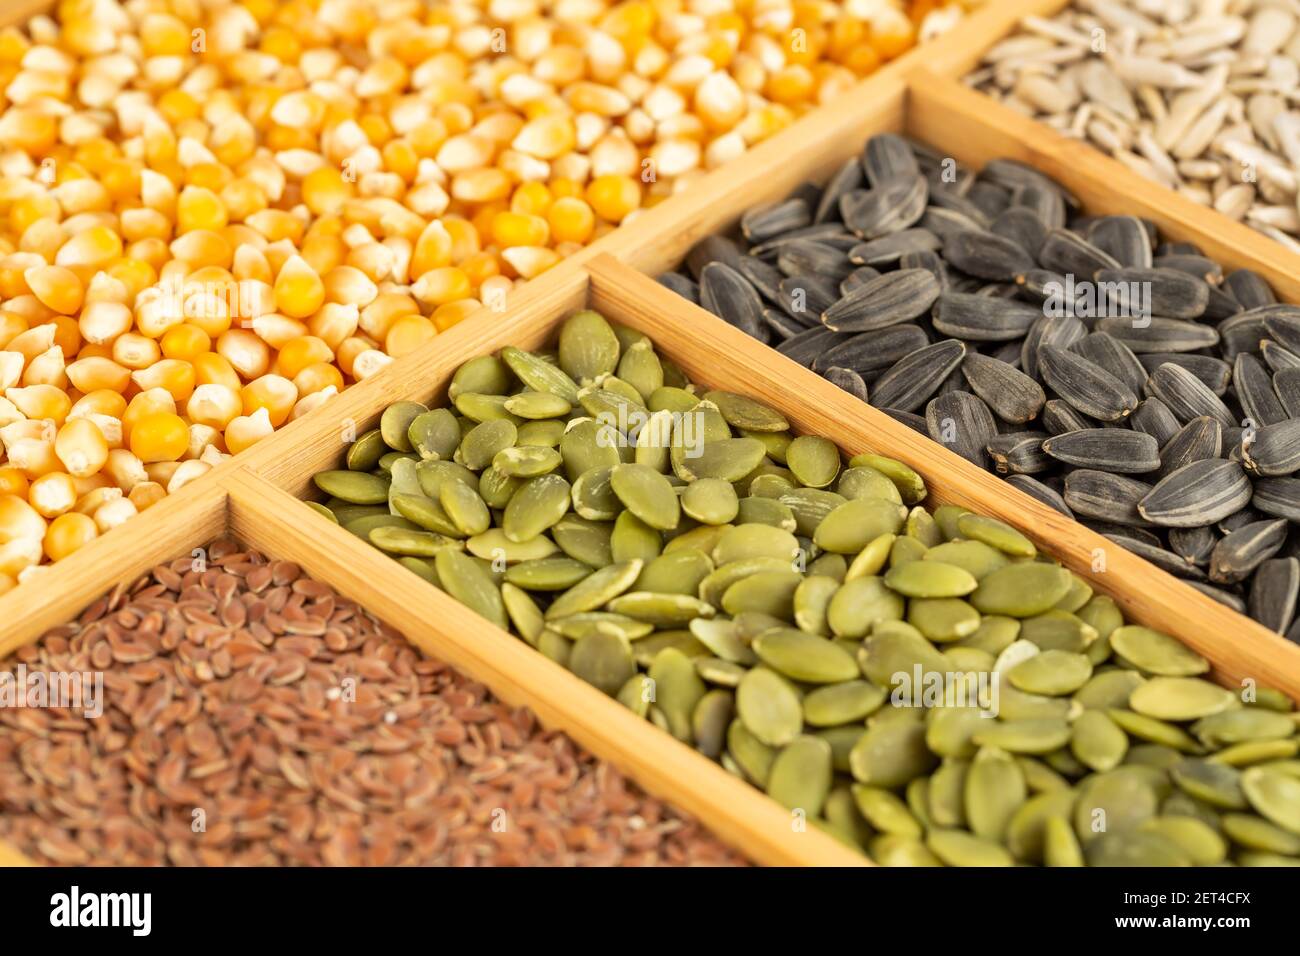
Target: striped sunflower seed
[1115,450]
[1086,386]
[889,299]
[1197,494]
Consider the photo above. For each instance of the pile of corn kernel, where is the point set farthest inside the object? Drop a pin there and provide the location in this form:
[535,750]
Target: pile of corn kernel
[216,214]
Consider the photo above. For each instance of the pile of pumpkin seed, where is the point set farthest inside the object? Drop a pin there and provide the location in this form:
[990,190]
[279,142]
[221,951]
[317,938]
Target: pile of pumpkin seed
[958,303]
[759,598]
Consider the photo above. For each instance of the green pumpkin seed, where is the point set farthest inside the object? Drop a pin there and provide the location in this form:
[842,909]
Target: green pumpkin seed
[1060,845]
[1155,731]
[864,482]
[752,510]
[1195,838]
[672,399]
[321,510]
[996,534]
[540,375]
[805,657]
[480,447]
[465,579]
[432,475]
[424,569]
[885,811]
[1257,751]
[523,611]
[853,525]
[465,508]
[555,647]
[493,545]
[646,649]
[711,501]
[891,753]
[769,707]
[800,777]
[921,525]
[646,494]
[810,506]
[994,634]
[906,550]
[526,461]
[395,421]
[589,444]
[910,485]
[603,660]
[889,850]
[1180,698]
[752,541]
[959,848]
[1256,834]
[1027,830]
[677,573]
[995,790]
[930,579]
[714,670]
[1242,726]
[815,461]
[577,626]
[1021,590]
[861,604]
[1157,653]
[741,411]
[1098,742]
[1102,614]
[1107,690]
[1112,803]
[547,574]
[976,557]
[486,374]
[416,544]
[1275,796]
[546,434]
[636,694]
[678,689]
[710,720]
[1057,630]
[812,600]
[1051,673]
[362,527]
[425,513]
[364,453]
[537,405]
[434,435]
[354,487]
[943,620]
[843,703]
[661,610]
[727,459]
[588,347]
[478,407]
[536,507]
[596,590]
[1026,736]
[752,755]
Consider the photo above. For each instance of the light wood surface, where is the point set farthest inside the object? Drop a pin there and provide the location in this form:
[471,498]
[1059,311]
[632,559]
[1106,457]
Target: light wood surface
[714,353]
[264,517]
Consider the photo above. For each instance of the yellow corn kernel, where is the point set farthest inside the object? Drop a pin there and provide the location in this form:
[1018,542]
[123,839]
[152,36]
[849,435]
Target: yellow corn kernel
[101,401]
[518,229]
[68,533]
[159,436]
[41,401]
[214,405]
[134,351]
[52,494]
[89,502]
[199,208]
[445,316]
[155,401]
[146,494]
[56,287]
[81,447]
[350,349]
[124,469]
[92,374]
[95,248]
[350,286]
[245,351]
[214,369]
[439,286]
[334,323]
[325,191]
[571,220]
[480,185]
[432,250]
[12,481]
[529,261]
[613,197]
[185,342]
[246,430]
[174,376]
[531,199]
[298,353]
[274,393]
[120,510]
[298,289]
[408,333]
[318,377]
